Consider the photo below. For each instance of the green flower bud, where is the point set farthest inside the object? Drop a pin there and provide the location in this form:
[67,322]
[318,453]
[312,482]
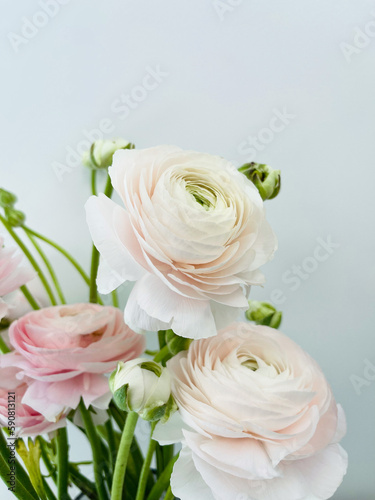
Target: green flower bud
[266,180]
[264,313]
[101,153]
[16,218]
[143,386]
[7,199]
[175,343]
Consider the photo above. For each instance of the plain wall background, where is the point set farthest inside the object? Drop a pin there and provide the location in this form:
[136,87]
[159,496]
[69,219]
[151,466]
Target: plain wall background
[225,73]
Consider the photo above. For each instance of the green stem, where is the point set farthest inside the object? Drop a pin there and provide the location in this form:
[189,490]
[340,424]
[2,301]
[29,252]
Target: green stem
[115,299]
[142,483]
[4,349]
[46,460]
[62,251]
[93,182]
[30,299]
[164,351]
[82,483]
[122,456]
[31,259]
[50,494]
[111,444]
[96,450]
[108,190]
[62,463]
[95,254]
[94,272]
[169,495]
[161,338]
[48,266]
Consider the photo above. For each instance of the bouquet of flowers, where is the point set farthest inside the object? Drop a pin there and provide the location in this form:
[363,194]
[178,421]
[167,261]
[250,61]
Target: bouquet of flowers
[234,409]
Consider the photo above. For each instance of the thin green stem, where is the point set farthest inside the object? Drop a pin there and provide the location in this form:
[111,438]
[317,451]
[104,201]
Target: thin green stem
[108,190]
[164,352]
[93,182]
[111,444]
[31,259]
[94,272]
[115,299]
[62,463]
[161,338]
[4,349]
[30,299]
[142,483]
[86,486]
[48,265]
[95,254]
[96,451]
[169,495]
[122,456]
[62,251]
[50,494]
[51,469]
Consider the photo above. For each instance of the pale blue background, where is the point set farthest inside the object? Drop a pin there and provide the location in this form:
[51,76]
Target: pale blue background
[225,78]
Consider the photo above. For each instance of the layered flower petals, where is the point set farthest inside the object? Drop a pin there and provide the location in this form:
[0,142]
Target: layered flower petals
[192,221]
[64,352]
[257,420]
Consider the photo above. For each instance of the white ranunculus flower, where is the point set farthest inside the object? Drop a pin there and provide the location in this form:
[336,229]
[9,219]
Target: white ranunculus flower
[257,420]
[192,235]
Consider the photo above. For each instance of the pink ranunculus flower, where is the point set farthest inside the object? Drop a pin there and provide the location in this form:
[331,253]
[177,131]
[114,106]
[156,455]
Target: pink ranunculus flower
[64,352]
[27,421]
[12,274]
[192,234]
[257,420]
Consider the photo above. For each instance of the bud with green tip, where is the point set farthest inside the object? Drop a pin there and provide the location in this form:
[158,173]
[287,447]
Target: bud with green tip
[101,153]
[175,343]
[7,199]
[143,386]
[266,180]
[264,313]
[16,218]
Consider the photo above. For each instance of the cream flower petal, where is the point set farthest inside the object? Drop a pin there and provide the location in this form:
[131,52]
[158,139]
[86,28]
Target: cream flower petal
[153,306]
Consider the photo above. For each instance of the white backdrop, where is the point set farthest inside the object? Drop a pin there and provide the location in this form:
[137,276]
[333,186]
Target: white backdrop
[289,83]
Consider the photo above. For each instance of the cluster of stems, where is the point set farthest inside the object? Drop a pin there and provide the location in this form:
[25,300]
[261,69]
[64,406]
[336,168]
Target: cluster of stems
[120,469]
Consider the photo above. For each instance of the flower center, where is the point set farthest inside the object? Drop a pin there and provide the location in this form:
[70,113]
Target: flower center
[202,195]
[251,363]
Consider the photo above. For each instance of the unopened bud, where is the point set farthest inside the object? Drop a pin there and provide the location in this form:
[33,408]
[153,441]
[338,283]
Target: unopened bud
[266,180]
[7,199]
[264,313]
[101,153]
[143,386]
[16,218]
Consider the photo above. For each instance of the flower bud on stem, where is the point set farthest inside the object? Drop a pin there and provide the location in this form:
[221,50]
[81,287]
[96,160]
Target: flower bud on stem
[266,180]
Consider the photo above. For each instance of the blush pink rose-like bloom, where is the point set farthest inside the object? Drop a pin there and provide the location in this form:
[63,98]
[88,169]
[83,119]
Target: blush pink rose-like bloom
[257,420]
[64,352]
[12,274]
[27,421]
[192,235]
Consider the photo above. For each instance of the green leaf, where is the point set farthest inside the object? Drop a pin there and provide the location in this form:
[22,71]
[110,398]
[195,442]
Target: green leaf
[162,483]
